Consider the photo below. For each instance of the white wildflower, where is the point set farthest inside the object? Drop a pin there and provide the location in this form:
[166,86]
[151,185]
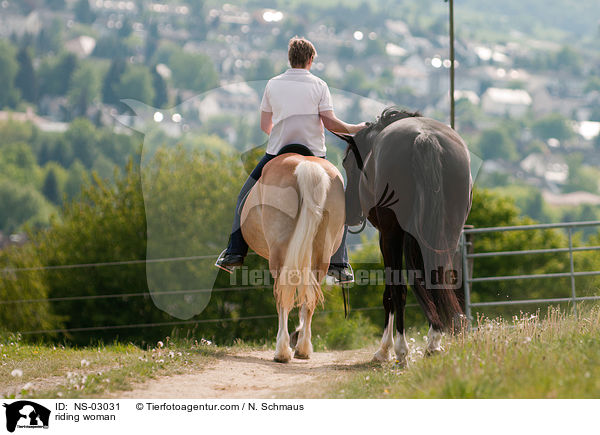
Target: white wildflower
[28,386]
[85,363]
[160,344]
[17,373]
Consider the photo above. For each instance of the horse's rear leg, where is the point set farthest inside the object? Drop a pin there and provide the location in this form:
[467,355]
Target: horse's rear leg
[399,292]
[283,351]
[434,341]
[414,262]
[394,297]
[387,340]
[303,346]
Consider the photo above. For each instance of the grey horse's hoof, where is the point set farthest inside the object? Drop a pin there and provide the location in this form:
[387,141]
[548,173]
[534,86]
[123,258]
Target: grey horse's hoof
[298,355]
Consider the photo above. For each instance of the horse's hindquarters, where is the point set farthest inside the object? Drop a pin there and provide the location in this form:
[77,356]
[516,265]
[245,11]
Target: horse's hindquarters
[294,217]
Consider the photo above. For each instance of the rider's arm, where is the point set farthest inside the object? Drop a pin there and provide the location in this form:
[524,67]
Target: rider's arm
[266,121]
[332,123]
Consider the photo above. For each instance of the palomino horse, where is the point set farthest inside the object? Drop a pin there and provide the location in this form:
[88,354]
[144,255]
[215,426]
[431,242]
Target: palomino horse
[410,177]
[294,217]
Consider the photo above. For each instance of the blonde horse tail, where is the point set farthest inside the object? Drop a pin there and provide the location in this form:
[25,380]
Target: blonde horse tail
[297,274]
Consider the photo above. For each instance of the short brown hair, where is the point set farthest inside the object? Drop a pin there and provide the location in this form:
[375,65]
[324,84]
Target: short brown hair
[300,52]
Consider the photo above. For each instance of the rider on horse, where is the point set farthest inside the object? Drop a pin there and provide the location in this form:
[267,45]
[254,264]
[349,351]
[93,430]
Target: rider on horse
[295,107]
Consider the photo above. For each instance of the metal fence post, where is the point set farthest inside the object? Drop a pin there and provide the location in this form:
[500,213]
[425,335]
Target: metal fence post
[465,274]
[573,295]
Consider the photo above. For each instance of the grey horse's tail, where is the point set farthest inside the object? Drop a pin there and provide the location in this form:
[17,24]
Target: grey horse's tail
[429,204]
[440,304]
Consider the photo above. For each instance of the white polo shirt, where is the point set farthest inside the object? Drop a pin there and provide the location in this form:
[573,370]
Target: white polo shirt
[296,98]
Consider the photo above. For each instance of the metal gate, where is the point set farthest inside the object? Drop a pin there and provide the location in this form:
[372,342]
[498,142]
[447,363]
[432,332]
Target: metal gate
[468,255]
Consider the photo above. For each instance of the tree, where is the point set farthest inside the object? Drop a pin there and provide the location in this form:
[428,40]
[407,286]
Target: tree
[136,83]
[17,162]
[570,60]
[57,5]
[30,285]
[82,136]
[161,96]
[195,72]
[110,223]
[111,46]
[50,39]
[83,12]
[21,204]
[262,69]
[56,73]
[152,39]
[9,95]
[593,84]
[77,178]
[50,188]
[103,167]
[581,177]
[112,80]
[26,80]
[496,144]
[553,125]
[126,29]
[84,90]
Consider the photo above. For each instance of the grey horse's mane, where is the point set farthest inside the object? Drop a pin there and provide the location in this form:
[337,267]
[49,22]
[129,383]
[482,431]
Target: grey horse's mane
[389,115]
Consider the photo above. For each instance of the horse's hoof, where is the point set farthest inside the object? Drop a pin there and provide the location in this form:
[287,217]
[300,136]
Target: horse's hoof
[381,356]
[433,352]
[284,356]
[299,355]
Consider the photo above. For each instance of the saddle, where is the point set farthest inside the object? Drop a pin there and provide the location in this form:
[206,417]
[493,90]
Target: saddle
[297,149]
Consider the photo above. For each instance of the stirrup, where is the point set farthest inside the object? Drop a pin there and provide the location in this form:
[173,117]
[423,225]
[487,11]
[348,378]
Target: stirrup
[225,268]
[348,281]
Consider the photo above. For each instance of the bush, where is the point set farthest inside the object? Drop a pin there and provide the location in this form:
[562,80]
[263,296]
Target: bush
[17,284]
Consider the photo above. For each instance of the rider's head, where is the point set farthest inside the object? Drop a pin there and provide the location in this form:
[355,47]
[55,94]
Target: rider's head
[301,52]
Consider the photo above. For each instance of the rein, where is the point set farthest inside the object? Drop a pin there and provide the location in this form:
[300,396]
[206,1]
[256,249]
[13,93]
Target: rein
[360,164]
[363,225]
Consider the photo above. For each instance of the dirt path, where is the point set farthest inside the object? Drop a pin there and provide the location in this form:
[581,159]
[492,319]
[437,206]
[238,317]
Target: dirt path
[254,374]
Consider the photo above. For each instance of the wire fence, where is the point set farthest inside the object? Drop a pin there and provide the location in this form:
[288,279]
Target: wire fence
[468,256]
[132,262]
[114,295]
[186,322]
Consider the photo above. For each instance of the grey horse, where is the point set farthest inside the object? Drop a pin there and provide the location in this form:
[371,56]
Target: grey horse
[410,177]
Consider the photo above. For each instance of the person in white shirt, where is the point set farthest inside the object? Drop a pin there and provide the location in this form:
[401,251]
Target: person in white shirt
[295,109]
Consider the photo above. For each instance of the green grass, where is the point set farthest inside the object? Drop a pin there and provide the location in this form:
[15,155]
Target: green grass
[557,357]
[51,371]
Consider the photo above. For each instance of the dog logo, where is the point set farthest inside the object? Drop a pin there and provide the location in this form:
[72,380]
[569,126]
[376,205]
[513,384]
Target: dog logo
[26,414]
